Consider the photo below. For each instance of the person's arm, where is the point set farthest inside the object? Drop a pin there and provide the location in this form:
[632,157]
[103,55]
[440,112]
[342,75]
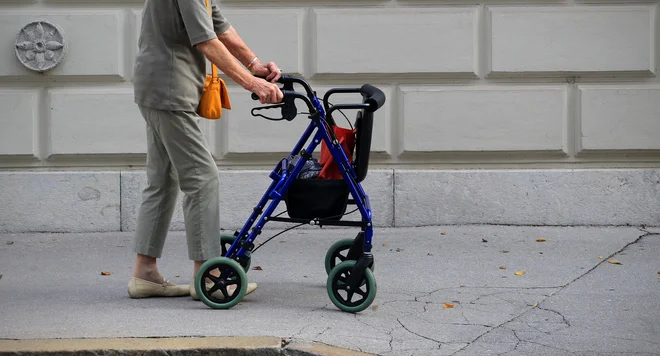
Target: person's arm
[218,54]
[236,46]
[247,57]
[228,35]
[201,33]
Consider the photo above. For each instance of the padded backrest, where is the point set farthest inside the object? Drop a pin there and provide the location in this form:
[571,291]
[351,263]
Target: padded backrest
[364,125]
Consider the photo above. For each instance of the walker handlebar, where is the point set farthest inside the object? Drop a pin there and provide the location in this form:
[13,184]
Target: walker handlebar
[371,95]
[373,98]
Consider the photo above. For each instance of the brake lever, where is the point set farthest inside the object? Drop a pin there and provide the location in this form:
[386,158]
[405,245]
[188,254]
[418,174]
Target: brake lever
[289,109]
[267,107]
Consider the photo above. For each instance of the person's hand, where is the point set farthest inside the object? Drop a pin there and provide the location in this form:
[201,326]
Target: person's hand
[268,93]
[269,70]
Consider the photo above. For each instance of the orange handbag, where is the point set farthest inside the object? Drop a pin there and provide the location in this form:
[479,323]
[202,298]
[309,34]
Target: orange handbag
[214,95]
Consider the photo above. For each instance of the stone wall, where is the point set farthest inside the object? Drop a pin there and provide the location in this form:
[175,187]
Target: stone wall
[503,112]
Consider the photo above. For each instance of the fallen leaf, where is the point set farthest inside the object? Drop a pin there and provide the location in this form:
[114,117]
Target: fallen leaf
[384,243]
[502,267]
[540,239]
[658,272]
[258,268]
[374,307]
[614,262]
[448,305]
[10,242]
[443,233]
[519,273]
[601,257]
[105,273]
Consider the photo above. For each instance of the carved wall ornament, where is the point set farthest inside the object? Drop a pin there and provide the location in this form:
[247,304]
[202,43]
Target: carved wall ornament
[40,46]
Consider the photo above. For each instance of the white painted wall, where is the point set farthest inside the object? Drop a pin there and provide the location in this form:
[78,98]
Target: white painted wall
[481,84]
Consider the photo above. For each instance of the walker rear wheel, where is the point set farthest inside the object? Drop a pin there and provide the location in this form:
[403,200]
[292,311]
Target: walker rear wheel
[350,299]
[221,283]
[338,253]
[226,241]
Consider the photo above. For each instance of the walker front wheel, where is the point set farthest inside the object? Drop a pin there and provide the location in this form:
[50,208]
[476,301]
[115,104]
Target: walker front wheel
[352,299]
[221,283]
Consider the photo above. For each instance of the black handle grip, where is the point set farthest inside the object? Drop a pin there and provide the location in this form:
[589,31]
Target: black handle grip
[284,78]
[373,96]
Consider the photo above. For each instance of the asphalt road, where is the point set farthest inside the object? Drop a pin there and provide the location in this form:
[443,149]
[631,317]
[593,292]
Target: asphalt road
[441,291]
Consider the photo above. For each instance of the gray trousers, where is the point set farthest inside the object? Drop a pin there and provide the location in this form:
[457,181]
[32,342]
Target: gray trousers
[178,158]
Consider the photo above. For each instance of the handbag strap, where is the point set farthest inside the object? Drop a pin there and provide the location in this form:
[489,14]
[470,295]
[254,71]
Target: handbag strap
[214,70]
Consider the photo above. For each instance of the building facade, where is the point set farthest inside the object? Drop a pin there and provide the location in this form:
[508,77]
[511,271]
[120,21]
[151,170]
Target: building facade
[497,112]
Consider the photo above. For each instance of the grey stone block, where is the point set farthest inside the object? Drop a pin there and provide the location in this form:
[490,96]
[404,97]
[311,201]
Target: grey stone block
[132,185]
[59,201]
[379,186]
[241,190]
[528,197]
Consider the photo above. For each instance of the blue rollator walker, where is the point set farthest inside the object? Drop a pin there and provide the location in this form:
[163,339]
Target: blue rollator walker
[351,285]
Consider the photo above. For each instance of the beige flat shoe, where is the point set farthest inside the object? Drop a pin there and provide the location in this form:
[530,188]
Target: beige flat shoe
[251,287]
[139,288]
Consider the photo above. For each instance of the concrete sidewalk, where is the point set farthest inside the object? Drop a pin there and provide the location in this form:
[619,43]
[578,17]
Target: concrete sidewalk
[570,300]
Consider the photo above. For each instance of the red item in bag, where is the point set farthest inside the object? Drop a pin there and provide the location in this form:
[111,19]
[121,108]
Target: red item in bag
[346,139]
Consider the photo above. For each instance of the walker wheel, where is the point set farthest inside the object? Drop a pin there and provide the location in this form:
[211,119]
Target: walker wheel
[337,253]
[346,298]
[224,288]
[226,241]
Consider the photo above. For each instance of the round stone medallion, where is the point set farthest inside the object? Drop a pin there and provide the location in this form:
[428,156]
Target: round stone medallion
[40,46]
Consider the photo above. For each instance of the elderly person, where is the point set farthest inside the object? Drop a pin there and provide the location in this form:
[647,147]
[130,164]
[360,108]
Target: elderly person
[176,38]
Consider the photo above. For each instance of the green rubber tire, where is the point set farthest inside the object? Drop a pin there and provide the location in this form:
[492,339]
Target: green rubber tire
[224,263]
[368,279]
[227,239]
[343,244]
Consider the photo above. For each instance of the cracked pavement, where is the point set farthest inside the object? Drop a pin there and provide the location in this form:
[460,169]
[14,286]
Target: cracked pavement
[569,301]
